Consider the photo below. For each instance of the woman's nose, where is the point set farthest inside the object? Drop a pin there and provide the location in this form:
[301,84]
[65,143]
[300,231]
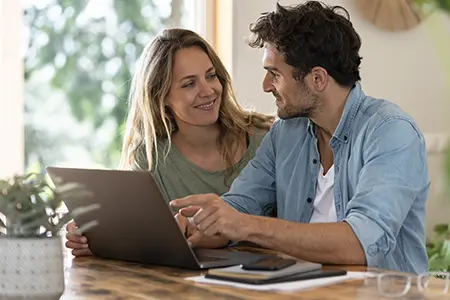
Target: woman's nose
[205,89]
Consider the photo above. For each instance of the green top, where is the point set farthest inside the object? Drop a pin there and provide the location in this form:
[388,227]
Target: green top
[178,177]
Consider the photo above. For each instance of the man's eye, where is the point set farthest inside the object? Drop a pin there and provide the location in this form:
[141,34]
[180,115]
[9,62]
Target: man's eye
[274,75]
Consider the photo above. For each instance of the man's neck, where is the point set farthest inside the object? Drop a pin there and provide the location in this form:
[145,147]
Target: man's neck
[330,112]
[198,138]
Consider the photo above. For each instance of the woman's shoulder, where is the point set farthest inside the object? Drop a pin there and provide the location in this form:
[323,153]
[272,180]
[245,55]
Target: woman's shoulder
[140,156]
[256,135]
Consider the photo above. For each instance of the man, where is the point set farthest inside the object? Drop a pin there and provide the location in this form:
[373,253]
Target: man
[347,173]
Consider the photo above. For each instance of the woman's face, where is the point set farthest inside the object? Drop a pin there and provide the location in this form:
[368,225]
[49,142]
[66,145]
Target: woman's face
[196,92]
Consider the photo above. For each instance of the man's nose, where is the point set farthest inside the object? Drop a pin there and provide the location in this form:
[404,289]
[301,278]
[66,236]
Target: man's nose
[267,84]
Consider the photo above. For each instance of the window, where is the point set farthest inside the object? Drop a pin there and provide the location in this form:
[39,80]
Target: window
[79,59]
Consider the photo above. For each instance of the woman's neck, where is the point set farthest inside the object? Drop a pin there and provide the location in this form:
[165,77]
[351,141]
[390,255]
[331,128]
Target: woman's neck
[199,145]
[197,138]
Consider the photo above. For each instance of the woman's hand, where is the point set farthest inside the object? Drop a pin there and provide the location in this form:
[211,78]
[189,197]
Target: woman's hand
[78,243]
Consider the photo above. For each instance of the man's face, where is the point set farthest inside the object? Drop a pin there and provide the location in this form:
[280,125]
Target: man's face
[293,98]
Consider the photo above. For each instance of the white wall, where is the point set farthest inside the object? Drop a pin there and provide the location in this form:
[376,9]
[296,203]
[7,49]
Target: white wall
[11,89]
[402,67]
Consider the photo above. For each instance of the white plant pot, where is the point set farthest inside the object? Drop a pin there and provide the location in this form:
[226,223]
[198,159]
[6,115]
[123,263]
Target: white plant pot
[31,268]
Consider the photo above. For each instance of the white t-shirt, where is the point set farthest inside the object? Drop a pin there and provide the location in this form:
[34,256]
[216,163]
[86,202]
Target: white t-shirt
[324,207]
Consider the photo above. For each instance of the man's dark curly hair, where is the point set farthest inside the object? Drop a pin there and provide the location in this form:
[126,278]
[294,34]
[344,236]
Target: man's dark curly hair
[310,35]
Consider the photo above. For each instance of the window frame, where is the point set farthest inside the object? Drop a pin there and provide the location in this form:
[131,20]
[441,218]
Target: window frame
[11,89]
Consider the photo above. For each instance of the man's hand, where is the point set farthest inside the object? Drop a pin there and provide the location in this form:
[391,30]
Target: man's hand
[190,232]
[328,243]
[212,216]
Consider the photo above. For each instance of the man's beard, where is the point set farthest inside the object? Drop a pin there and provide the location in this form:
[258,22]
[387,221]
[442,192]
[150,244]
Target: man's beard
[290,111]
[306,109]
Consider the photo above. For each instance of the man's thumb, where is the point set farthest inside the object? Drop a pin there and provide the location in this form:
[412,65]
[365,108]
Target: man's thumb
[194,239]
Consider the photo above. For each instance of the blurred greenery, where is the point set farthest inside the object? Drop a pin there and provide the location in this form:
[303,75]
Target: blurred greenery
[79,60]
[438,246]
[434,4]
[29,204]
[447,165]
[438,249]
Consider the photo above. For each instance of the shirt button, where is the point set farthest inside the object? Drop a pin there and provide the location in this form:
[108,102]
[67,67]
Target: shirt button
[337,169]
[314,161]
[309,200]
[372,250]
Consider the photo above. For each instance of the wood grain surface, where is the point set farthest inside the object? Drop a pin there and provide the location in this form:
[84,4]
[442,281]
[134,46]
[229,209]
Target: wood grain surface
[96,278]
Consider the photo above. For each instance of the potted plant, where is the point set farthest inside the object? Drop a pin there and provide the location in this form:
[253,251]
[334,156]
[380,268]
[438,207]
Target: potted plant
[31,257]
[438,247]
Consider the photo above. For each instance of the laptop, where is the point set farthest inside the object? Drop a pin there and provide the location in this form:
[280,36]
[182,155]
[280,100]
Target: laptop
[136,224]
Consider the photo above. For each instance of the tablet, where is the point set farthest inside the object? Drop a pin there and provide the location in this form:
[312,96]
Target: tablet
[321,273]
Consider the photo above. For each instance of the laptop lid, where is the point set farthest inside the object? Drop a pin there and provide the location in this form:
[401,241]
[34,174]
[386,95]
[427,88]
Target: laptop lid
[135,223]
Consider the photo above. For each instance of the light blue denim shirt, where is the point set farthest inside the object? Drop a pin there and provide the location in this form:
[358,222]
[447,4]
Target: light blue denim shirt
[381,179]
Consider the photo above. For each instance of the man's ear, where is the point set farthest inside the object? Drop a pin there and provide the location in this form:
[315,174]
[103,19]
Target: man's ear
[319,78]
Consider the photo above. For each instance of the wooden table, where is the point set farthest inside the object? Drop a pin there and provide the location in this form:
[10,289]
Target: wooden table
[96,278]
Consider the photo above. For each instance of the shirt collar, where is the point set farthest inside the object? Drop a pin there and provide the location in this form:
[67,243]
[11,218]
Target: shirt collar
[351,108]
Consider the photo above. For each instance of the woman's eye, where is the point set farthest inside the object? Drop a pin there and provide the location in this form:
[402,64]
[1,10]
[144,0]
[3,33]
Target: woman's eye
[189,84]
[212,75]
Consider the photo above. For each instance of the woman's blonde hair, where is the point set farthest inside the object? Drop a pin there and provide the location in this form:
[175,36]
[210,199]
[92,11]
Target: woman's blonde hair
[149,121]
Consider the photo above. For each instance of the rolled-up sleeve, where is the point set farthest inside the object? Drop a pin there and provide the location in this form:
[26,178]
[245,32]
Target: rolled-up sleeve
[394,174]
[253,191]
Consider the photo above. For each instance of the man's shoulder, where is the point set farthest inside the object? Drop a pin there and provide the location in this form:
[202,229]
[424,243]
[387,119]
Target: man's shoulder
[383,109]
[376,112]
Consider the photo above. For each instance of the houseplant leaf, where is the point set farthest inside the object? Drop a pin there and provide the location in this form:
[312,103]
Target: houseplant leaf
[436,262]
[445,252]
[29,203]
[76,212]
[441,229]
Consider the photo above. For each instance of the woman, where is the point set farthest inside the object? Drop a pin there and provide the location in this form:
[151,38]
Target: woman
[184,123]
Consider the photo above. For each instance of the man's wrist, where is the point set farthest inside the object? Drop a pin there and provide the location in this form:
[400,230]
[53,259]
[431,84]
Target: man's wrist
[248,226]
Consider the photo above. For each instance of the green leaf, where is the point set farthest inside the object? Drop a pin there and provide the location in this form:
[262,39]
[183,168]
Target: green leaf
[437,264]
[76,212]
[444,5]
[82,210]
[25,216]
[32,227]
[441,229]
[445,252]
[29,202]
[4,185]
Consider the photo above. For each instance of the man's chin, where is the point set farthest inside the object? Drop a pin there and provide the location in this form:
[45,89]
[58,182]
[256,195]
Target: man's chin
[285,115]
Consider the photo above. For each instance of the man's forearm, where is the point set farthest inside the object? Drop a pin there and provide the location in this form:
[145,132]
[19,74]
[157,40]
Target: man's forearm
[332,243]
